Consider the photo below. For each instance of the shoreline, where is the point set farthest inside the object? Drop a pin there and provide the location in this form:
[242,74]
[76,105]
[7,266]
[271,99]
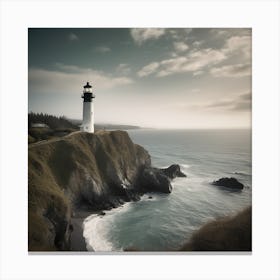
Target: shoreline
[77,240]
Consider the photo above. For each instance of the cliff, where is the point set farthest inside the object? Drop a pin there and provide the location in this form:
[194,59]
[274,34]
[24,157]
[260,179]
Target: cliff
[233,233]
[84,171]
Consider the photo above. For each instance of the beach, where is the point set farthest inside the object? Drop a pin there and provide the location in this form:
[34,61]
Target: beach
[77,239]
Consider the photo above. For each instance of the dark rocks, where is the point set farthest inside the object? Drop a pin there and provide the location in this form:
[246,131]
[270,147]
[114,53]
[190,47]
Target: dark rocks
[149,179]
[102,213]
[173,171]
[150,197]
[71,228]
[97,171]
[229,183]
[153,179]
[158,180]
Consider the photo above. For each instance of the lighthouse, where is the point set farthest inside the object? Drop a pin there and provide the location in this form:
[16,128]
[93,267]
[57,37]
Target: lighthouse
[88,121]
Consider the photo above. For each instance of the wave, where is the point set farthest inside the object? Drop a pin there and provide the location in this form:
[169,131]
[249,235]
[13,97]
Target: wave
[96,228]
[152,196]
[187,166]
[241,173]
[94,235]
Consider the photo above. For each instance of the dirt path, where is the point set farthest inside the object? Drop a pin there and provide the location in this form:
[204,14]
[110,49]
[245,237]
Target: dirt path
[52,140]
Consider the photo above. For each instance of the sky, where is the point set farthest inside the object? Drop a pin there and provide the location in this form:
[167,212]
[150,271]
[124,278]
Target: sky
[151,77]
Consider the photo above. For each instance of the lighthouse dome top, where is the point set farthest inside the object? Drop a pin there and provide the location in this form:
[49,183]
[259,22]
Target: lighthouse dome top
[87,85]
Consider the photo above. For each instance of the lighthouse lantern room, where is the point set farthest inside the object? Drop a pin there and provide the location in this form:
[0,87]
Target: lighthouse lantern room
[88,118]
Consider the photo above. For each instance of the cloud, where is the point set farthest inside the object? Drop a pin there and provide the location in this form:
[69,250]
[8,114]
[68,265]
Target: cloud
[195,90]
[73,37]
[123,69]
[239,44]
[198,73]
[224,33]
[221,103]
[242,106]
[192,62]
[219,32]
[69,68]
[242,102]
[180,46]
[246,96]
[179,33]
[235,70]
[148,69]
[140,35]
[71,78]
[236,44]
[197,44]
[103,49]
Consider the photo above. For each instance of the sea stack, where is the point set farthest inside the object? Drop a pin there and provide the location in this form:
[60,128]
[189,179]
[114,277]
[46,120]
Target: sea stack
[88,117]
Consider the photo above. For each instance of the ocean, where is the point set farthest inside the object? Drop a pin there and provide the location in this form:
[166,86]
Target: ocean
[166,221]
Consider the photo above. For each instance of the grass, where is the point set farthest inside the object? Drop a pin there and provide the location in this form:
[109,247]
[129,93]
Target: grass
[43,194]
[226,234]
[43,133]
[62,162]
[58,173]
[59,176]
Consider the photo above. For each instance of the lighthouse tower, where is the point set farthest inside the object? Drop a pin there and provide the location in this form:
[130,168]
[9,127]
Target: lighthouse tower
[88,122]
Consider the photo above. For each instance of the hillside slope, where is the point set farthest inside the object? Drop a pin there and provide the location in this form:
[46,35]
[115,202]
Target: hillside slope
[232,233]
[84,171]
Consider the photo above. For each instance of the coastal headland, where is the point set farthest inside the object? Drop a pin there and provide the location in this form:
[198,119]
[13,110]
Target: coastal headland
[85,172]
[74,176]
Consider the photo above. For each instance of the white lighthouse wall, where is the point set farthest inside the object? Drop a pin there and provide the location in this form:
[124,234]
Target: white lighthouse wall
[88,122]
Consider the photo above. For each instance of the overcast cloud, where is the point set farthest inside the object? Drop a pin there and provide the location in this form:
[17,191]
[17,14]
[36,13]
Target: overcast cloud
[152,77]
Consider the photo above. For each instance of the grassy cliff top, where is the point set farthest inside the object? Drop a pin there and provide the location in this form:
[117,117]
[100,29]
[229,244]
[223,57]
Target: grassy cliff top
[233,233]
[78,167]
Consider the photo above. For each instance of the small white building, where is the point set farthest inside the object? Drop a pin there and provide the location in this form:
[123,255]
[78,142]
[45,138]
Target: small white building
[88,109]
[40,125]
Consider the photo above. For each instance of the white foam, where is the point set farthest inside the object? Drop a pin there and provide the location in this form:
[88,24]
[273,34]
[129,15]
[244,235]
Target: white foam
[95,236]
[96,229]
[185,165]
[241,173]
[151,196]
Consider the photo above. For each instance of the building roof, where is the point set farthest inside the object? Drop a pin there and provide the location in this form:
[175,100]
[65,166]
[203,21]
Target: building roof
[87,85]
[39,125]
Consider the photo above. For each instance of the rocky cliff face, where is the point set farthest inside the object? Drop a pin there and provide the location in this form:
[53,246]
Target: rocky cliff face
[82,170]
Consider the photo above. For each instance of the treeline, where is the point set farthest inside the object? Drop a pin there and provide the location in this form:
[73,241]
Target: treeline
[51,121]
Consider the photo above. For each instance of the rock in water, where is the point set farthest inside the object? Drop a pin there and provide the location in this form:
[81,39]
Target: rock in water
[153,179]
[173,171]
[85,171]
[229,183]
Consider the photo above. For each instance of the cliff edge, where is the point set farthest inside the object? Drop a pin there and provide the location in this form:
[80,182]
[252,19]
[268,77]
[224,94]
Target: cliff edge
[84,171]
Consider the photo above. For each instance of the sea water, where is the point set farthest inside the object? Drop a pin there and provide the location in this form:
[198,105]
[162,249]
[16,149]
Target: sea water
[166,221]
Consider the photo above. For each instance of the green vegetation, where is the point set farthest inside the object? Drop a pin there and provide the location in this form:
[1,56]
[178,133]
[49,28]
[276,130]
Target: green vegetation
[55,127]
[87,170]
[31,139]
[44,195]
[53,122]
[78,170]
[226,234]
[60,126]
[61,162]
